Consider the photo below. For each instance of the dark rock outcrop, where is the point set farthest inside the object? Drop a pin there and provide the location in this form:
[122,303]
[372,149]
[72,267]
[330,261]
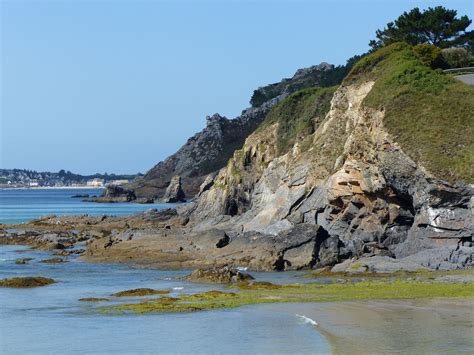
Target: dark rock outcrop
[115,193]
[53,261]
[23,261]
[224,275]
[174,192]
[210,149]
[316,75]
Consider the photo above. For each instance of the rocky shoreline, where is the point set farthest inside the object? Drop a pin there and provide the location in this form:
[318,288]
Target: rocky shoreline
[161,239]
[327,178]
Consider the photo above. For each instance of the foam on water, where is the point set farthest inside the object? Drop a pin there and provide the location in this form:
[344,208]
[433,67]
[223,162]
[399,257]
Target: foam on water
[307,320]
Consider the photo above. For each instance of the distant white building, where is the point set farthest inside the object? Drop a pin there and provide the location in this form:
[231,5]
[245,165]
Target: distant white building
[118,182]
[95,183]
[33,183]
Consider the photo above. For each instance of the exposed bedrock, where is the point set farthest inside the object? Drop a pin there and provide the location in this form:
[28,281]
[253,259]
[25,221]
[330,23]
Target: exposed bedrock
[303,247]
[360,187]
[174,192]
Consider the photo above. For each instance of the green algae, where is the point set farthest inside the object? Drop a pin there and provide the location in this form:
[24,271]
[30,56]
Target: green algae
[260,285]
[26,282]
[140,292]
[209,295]
[248,295]
[420,274]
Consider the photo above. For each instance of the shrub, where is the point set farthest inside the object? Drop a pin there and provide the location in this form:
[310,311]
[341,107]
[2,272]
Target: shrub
[298,115]
[428,54]
[455,57]
[258,98]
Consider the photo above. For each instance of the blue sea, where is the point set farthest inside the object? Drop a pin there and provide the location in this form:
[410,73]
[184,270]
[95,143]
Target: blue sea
[22,205]
[52,320]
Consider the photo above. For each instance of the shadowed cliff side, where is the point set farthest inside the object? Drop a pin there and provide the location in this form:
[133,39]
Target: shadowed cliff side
[209,150]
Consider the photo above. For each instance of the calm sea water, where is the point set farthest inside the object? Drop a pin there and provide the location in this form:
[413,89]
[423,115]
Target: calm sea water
[51,319]
[21,205]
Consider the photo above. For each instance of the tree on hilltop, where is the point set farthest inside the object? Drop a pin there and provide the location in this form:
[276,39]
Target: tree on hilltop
[437,26]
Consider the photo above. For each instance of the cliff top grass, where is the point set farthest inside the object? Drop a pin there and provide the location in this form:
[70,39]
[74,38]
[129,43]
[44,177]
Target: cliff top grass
[249,294]
[26,282]
[299,115]
[428,112]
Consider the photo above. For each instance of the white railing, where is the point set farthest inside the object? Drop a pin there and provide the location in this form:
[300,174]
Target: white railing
[456,70]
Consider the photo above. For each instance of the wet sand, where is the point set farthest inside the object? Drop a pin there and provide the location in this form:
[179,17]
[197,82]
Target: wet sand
[388,326]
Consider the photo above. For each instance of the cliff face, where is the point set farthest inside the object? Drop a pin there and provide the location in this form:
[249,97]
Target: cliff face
[378,195]
[371,176]
[209,150]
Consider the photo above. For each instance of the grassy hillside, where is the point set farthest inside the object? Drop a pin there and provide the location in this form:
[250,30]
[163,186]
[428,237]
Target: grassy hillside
[429,113]
[298,115]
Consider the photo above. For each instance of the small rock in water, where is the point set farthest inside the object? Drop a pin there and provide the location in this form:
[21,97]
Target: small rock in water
[223,275]
[93,299]
[53,261]
[23,261]
[140,292]
[23,282]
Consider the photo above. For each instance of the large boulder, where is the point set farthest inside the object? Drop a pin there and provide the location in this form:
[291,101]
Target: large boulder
[174,192]
[114,192]
[222,275]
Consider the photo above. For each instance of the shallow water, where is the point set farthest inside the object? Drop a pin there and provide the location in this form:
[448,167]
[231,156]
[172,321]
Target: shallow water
[21,205]
[51,320]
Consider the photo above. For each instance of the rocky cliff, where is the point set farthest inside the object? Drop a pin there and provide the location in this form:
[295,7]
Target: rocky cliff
[384,170]
[373,175]
[209,150]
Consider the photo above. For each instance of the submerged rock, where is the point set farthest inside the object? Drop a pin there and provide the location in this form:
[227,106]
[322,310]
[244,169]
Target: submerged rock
[223,275]
[23,282]
[81,196]
[70,252]
[140,292]
[53,261]
[23,261]
[93,299]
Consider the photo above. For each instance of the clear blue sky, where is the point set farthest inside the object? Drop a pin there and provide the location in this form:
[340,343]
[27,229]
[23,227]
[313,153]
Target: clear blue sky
[116,86]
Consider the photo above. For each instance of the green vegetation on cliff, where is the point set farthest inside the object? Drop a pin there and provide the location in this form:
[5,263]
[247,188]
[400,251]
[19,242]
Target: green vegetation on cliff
[428,112]
[299,115]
